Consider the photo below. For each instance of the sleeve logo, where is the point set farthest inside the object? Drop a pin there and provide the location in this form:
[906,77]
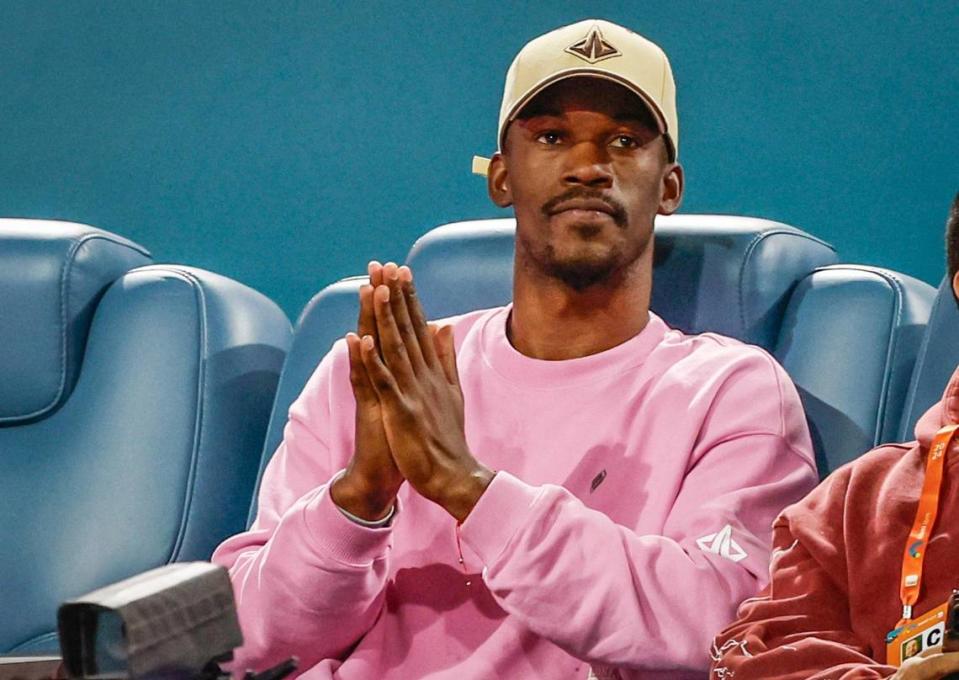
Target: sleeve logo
[721,543]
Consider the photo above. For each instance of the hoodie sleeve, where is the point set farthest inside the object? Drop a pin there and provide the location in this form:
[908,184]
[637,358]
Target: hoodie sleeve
[619,599]
[308,581]
[799,627]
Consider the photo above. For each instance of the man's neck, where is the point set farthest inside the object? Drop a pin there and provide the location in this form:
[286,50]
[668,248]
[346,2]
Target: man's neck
[552,322]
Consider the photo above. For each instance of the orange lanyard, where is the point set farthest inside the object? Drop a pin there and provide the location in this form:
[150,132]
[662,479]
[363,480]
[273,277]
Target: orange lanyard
[915,551]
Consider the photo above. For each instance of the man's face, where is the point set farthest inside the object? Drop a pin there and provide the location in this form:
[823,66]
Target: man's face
[586,171]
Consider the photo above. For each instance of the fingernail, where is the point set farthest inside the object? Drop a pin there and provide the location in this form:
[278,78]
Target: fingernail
[406,273]
[367,342]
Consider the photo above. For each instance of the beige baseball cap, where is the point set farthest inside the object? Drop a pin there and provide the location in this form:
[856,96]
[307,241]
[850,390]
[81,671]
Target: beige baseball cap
[595,48]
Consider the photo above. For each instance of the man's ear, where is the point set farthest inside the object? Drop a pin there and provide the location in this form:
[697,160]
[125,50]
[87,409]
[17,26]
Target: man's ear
[497,182]
[672,189]
[955,285]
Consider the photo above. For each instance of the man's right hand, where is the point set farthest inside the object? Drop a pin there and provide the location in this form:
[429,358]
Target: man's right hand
[932,664]
[368,488]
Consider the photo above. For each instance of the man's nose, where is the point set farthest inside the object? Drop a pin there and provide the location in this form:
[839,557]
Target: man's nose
[588,165]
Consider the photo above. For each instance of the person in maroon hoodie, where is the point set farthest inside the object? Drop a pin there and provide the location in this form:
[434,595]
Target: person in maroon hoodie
[852,592]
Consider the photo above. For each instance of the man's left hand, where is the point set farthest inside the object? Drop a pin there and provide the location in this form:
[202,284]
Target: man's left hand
[419,391]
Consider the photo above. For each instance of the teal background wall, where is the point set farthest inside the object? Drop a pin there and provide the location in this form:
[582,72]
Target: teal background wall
[286,143]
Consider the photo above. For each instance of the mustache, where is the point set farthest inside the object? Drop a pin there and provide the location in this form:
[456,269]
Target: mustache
[617,209]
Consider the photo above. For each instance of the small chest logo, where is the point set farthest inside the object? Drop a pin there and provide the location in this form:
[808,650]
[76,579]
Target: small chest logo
[597,480]
[721,543]
[593,47]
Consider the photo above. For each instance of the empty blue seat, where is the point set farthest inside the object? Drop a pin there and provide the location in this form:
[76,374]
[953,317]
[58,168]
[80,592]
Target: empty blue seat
[849,340]
[134,399]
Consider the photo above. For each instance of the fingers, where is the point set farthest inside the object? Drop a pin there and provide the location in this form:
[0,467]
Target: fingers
[394,281]
[417,316]
[359,378]
[446,352]
[366,323]
[379,375]
[390,312]
[931,667]
[940,664]
[375,270]
[391,344]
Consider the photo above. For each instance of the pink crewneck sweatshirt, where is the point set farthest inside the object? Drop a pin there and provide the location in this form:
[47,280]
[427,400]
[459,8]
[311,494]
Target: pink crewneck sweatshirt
[629,516]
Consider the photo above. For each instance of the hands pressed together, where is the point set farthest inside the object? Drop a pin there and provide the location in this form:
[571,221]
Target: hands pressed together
[409,406]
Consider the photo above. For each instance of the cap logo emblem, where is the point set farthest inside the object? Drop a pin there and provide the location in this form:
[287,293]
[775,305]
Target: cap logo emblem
[593,47]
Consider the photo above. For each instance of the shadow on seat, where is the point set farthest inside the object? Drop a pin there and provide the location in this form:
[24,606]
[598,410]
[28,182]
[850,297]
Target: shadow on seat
[938,358]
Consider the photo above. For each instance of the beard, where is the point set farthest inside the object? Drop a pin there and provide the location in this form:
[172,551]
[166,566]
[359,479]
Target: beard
[583,267]
[583,270]
[579,274]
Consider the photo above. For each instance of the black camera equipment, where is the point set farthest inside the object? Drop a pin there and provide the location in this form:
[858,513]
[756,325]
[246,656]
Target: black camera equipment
[177,622]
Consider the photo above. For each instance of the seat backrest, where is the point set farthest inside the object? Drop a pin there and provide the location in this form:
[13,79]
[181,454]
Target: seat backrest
[327,317]
[712,272]
[762,282]
[52,275]
[150,452]
[849,340]
[937,361]
[722,273]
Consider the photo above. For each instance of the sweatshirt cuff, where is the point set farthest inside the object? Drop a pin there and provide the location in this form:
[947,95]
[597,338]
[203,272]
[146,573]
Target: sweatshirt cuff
[345,541]
[504,508]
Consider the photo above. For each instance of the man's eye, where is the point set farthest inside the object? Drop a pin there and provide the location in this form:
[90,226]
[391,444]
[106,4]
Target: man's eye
[548,138]
[625,142]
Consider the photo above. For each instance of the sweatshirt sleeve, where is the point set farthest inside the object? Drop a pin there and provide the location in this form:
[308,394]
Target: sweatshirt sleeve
[799,627]
[308,581]
[615,598]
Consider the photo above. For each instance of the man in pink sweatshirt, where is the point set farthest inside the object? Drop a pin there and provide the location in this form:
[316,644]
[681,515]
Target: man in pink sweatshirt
[533,491]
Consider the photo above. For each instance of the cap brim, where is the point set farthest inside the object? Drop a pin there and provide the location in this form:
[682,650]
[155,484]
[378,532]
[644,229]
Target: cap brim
[577,73]
[481,164]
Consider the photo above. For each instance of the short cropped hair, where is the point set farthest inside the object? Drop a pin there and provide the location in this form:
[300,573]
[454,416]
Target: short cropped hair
[952,241]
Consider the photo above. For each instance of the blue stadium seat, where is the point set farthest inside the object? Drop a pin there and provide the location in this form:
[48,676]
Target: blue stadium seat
[325,319]
[849,340]
[938,358]
[762,282]
[134,399]
[726,274]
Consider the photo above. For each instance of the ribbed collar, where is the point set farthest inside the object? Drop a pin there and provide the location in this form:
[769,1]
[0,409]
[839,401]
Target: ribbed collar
[524,371]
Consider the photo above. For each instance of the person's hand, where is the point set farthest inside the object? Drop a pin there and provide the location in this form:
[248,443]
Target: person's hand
[369,486]
[414,375]
[931,664]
